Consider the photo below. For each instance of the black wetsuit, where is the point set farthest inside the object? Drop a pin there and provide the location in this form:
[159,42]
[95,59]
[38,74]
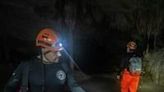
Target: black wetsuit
[44,77]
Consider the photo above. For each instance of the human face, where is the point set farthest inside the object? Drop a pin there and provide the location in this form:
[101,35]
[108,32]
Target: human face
[51,56]
[128,50]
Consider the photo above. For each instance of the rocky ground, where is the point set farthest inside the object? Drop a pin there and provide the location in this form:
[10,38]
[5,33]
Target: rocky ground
[96,83]
[109,83]
[99,83]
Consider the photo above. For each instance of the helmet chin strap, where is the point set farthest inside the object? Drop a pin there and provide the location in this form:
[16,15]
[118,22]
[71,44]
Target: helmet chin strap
[59,54]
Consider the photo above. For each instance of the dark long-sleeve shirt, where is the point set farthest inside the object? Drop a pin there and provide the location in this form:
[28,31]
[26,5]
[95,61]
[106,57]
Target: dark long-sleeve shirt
[125,62]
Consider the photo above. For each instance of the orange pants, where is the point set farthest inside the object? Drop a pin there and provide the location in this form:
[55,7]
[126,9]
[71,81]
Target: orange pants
[129,83]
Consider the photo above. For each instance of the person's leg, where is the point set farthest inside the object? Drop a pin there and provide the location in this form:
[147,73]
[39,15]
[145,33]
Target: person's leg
[134,83]
[125,80]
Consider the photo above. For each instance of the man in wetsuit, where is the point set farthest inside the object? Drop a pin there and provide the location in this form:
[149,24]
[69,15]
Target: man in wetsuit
[48,72]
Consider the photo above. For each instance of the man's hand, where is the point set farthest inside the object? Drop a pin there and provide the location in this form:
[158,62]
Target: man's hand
[118,77]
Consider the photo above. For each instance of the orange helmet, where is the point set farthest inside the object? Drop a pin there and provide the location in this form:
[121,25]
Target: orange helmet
[47,38]
[132,45]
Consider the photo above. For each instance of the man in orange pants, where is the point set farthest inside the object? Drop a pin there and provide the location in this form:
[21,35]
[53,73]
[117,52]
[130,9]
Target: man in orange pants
[130,80]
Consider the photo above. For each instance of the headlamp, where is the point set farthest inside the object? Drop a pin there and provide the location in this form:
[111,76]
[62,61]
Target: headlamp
[58,46]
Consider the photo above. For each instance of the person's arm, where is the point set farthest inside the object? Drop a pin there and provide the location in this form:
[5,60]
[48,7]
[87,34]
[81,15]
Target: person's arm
[72,84]
[121,67]
[74,87]
[14,80]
